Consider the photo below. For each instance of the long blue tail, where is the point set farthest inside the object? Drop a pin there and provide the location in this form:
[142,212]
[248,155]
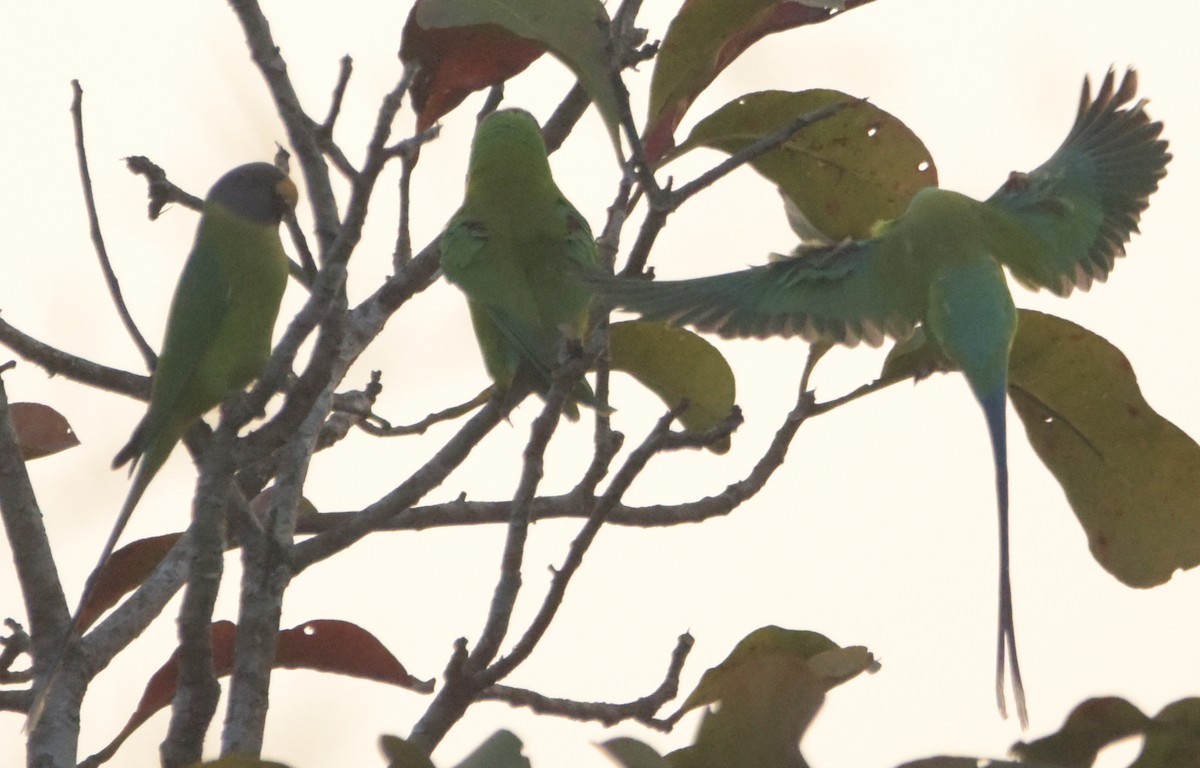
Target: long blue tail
[994,410]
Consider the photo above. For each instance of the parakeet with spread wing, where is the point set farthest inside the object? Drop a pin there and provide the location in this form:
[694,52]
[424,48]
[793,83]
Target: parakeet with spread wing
[516,248]
[1058,227]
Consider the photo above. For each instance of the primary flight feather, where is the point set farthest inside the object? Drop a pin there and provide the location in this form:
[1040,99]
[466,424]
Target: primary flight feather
[1059,227]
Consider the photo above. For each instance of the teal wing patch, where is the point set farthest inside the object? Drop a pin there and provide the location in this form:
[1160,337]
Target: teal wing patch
[1076,211]
[855,291]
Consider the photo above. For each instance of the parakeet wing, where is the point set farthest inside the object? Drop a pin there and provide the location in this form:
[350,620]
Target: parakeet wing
[855,291]
[581,246]
[520,305]
[496,288]
[195,316]
[1077,210]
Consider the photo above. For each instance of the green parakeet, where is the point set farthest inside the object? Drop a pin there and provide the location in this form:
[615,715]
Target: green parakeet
[218,334]
[516,248]
[1058,227]
[219,327]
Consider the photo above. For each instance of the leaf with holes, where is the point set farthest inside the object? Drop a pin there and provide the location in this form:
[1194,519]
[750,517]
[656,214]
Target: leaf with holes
[41,430]
[841,175]
[324,645]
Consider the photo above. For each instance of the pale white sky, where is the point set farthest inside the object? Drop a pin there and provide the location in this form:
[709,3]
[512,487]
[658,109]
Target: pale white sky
[879,531]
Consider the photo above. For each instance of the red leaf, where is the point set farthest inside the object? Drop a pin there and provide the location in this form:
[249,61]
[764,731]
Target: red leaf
[324,645]
[124,572]
[454,62]
[41,430]
[328,645]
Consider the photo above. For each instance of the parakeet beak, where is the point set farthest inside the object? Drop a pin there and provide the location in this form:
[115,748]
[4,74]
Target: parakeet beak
[288,193]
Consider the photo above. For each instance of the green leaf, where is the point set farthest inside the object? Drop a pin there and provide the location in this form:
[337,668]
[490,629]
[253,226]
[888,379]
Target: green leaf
[1091,726]
[703,38]
[675,364]
[574,31]
[1131,476]
[501,750]
[841,175]
[632,753]
[770,688]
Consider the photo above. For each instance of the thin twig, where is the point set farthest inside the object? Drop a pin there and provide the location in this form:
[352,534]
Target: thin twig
[629,471]
[301,129]
[425,479]
[762,146]
[385,429]
[641,710]
[159,188]
[345,68]
[89,199]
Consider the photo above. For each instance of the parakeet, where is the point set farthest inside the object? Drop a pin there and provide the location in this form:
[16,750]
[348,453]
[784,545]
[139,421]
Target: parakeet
[218,334]
[219,327]
[516,248]
[1058,227]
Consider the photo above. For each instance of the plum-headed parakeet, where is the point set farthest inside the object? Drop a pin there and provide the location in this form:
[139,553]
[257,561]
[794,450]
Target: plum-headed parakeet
[1058,227]
[516,248]
[219,327]
[218,334]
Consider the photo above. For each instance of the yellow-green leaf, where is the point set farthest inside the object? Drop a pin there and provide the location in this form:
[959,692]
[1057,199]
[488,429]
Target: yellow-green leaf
[841,175]
[676,364]
[1131,476]
[1173,738]
[1091,726]
[770,688]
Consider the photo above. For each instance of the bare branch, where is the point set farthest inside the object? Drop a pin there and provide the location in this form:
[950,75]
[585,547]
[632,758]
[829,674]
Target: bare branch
[425,479]
[302,131]
[89,199]
[160,189]
[641,710]
[58,363]
[32,557]
[385,429]
[196,697]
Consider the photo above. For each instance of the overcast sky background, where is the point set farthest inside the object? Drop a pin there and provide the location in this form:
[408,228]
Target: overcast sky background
[879,531]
